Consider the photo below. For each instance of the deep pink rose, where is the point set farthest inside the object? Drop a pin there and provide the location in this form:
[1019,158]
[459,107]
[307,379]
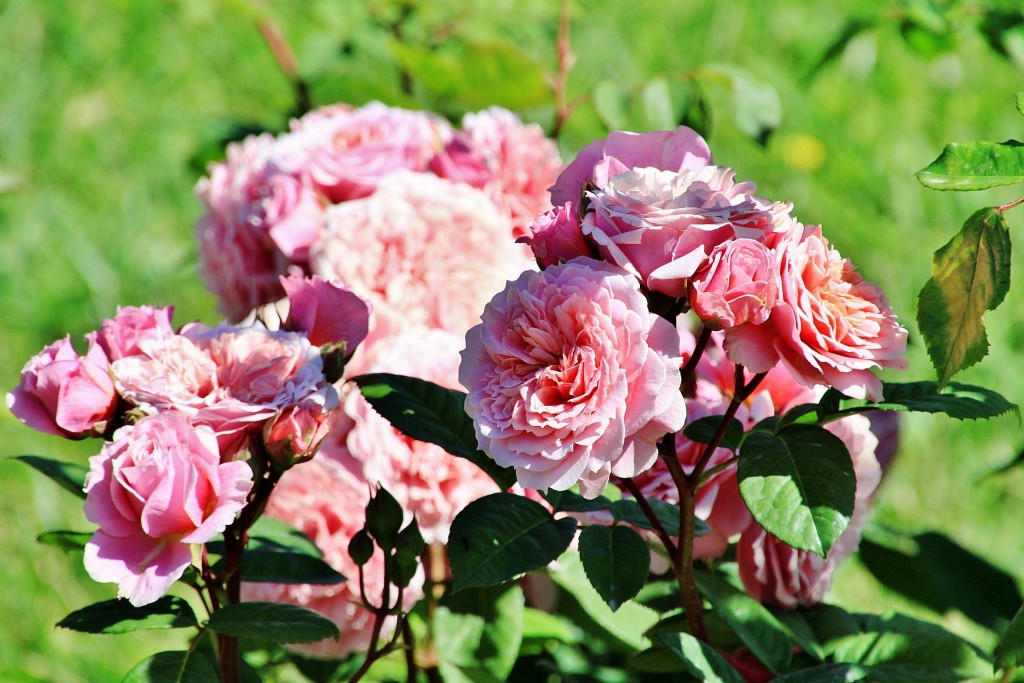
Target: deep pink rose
[120,336]
[260,221]
[327,502]
[829,325]
[65,394]
[780,575]
[673,150]
[347,152]
[434,484]
[157,487]
[327,312]
[571,378]
[424,251]
[556,235]
[661,225]
[738,284]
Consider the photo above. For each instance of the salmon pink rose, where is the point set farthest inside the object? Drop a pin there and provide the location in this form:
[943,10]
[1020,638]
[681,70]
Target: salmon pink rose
[738,284]
[64,394]
[120,336]
[829,325]
[571,379]
[157,487]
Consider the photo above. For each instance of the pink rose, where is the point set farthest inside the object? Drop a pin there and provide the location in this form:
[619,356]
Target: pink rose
[259,221]
[434,484]
[512,162]
[661,225]
[673,150]
[294,434]
[328,313]
[65,394]
[780,575]
[327,502]
[738,284]
[571,378]
[557,235]
[157,487]
[829,325]
[347,152]
[120,337]
[424,251]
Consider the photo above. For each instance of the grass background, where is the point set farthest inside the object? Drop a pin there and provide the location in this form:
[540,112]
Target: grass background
[105,106]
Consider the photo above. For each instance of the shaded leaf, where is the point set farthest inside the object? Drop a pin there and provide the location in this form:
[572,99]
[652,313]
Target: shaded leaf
[66,540]
[616,560]
[500,536]
[699,659]
[610,103]
[827,673]
[970,275]
[120,616]
[851,30]
[478,632]
[574,502]
[428,412]
[975,166]
[1010,650]
[67,475]
[757,108]
[703,430]
[959,401]
[273,622]
[751,621]
[175,667]
[659,111]
[630,512]
[936,572]
[799,485]
[276,566]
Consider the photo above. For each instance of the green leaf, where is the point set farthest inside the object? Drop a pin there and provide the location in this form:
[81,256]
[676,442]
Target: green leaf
[279,553]
[827,673]
[799,485]
[751,621]
[756,105]
[659,111]
[68,476]
[610,101]
[271,621]
[629,511]
[500,536]
[574,502]
[542,626]
[478,632]
[175,667]
[959,401]
[66,540]
[626,626]
[975,166]
[617,562]
[704,429]
[1010,650]
[1019,97]
[936,572]
[970,275]
[120,616]
[428,412]
[837,47]
[795,623]
[699,659]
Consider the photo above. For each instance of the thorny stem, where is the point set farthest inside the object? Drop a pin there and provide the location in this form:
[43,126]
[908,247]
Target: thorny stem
[698,351]
[379,615]
[560,81]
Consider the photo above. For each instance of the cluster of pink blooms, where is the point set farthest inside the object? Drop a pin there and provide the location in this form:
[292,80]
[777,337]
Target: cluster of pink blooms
[419,219]
[573,372]
[185,412]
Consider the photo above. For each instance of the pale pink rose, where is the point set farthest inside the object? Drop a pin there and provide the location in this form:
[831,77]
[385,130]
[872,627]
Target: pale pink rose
[557,235]
[327,503]
[571,378]
[829,325]
[776,573]
[157,487]
[512,162]
[326,312]
[435,484]
[260,220]
[65,394]
[231,379]
[347,152]
[661,225]
[424,251]
[738,284]
[120,336]
[675,150]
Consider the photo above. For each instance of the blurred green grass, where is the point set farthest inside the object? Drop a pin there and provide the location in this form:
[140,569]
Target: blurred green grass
[104,104]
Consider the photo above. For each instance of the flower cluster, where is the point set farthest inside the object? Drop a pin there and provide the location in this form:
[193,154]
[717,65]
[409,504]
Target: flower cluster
[190,414]
[418,218]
